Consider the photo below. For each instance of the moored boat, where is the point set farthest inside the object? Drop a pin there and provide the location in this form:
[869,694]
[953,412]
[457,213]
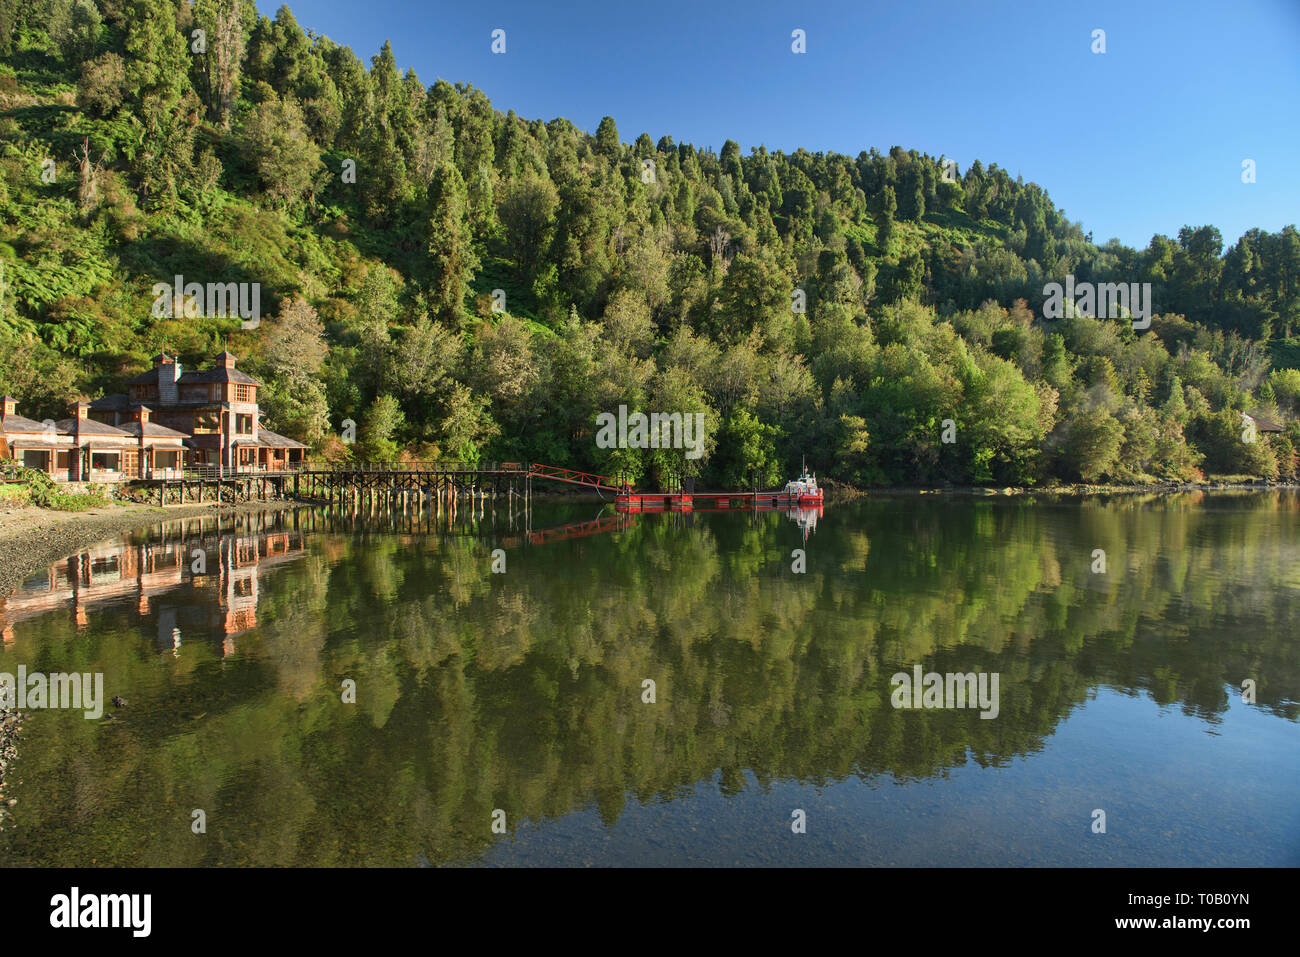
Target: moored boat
[803,490]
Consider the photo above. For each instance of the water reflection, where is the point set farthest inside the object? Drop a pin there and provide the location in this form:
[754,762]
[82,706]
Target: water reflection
[522,690]
[189,572]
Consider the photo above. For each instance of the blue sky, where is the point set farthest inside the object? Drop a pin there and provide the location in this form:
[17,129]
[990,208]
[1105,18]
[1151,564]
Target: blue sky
[1145,138]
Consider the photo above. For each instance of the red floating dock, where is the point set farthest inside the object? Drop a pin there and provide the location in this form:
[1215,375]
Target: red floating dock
[664,501]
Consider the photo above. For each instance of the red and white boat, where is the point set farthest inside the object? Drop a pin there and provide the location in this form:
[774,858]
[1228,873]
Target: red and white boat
[803,490]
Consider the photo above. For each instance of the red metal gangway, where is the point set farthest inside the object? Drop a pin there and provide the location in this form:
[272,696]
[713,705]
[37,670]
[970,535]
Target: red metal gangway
[602,483]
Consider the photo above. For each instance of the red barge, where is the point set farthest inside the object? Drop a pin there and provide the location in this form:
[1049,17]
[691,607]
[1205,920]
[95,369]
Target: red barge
[802,491]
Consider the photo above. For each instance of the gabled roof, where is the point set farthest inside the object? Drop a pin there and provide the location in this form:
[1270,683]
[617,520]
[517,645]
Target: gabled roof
[275,440]
[20,423]
[117,402]
[151,430]
[88,427]
[148,377]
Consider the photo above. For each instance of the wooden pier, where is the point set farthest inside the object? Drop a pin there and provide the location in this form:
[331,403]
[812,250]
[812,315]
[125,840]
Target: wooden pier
[447,486]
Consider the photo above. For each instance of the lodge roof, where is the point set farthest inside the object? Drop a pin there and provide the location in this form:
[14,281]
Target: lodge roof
[151,429]
[219,374]
[20,423]
[88,427]
[277,441]
[266,439]
[1262,423]
[95,429]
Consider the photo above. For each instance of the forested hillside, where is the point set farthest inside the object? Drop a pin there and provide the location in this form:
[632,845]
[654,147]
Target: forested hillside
[466,283]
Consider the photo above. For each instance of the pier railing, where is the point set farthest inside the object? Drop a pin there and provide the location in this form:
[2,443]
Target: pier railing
[214,473]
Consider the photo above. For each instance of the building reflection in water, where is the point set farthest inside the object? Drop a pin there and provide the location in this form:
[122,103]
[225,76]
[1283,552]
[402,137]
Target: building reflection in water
[195,578]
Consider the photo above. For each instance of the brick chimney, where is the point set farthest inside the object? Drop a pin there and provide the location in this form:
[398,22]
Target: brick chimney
[80,410]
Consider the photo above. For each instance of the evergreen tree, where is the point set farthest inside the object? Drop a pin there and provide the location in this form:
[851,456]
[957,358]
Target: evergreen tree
[452,260]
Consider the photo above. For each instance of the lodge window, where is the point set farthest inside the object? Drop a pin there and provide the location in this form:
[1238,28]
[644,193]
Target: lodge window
[167,460]
[105,461]
[243,393]
[36,459]
[206,423]
[244,424]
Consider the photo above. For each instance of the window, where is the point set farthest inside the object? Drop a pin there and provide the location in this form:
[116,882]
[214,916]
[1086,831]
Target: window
[206,423]
[243,393]
[244,424]
[166,459]
[105,461]
[36,459]
[64,460]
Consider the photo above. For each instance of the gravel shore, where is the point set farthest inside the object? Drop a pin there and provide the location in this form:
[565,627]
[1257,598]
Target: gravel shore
[10,725]
[31,539]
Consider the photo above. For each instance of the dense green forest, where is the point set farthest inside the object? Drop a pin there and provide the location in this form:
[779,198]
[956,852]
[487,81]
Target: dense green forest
[466,283]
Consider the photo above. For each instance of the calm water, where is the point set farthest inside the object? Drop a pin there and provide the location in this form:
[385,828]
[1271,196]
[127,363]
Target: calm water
[523,691]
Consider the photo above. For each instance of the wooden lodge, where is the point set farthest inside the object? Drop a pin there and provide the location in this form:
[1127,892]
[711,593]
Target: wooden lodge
[171,422]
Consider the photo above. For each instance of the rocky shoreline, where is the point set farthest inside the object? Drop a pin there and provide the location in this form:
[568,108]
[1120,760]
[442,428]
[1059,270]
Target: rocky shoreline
[11,723]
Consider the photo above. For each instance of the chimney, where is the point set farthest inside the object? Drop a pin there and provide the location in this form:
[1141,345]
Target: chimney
[226,360]
[169,370]
[141,417]
[79,410]
[8,407]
